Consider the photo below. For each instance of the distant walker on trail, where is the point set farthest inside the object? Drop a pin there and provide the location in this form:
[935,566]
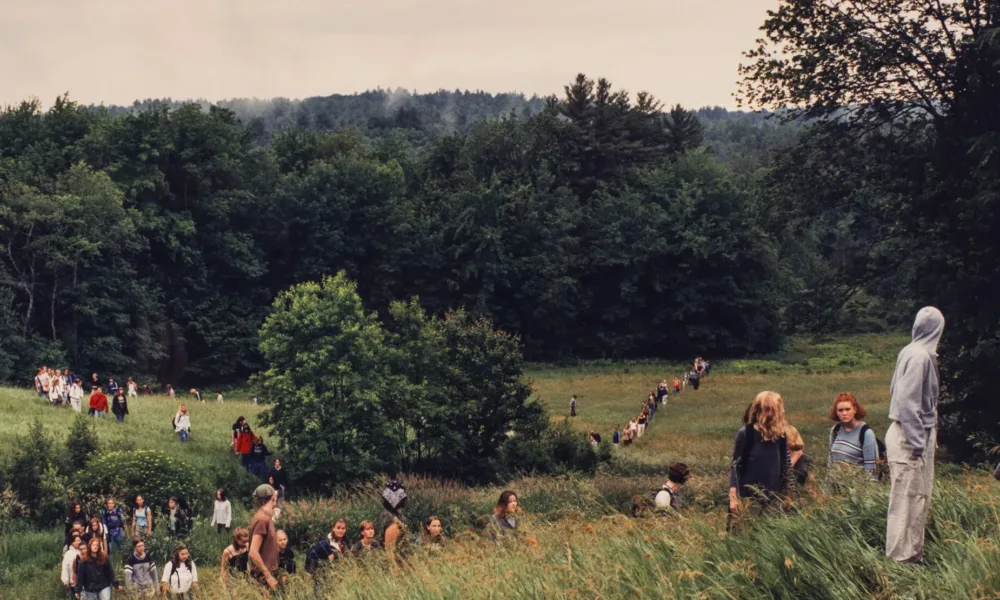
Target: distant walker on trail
[572,406]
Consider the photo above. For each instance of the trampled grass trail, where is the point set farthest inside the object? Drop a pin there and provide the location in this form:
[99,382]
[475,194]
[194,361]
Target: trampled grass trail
[578,540]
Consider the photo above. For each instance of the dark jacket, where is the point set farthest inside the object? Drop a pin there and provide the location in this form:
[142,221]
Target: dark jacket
[119,408]
[182,521]
[92,577]
[259,452]
[280,476]
[320,553]
[286,561]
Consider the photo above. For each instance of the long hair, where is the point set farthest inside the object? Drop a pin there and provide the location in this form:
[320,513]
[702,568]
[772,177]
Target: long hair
[100,557]
[241,534]
[175,561]
[501,507]
[768,415]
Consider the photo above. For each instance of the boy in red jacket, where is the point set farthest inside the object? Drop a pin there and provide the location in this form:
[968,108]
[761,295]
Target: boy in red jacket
[98,403]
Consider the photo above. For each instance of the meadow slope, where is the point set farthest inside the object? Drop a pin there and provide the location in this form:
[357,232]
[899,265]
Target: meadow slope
[579,541]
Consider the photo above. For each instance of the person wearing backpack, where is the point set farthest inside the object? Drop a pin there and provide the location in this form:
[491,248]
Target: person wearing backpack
[851,439]
[761,467]
[116,524]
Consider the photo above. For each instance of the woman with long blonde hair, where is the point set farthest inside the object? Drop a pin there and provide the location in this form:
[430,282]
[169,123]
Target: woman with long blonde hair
[761,467]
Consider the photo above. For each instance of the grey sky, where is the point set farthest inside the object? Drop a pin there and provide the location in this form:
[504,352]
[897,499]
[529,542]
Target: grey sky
[115,51]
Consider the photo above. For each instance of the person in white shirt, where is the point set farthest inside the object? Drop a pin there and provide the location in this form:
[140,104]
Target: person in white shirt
[76,395]
[222,516]
[56,390]
[218,396]
[69,559]
[180,575]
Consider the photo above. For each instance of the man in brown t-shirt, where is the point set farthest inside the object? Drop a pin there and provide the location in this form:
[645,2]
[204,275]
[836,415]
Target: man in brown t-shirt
[263,563]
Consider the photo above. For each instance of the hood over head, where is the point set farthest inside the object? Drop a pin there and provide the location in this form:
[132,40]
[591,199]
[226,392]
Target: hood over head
[927,328]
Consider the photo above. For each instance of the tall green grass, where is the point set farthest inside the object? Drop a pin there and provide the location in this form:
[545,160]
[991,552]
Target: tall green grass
[578,540]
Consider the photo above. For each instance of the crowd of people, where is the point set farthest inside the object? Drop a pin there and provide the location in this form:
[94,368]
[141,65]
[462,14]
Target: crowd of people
[259,553]
[769,466]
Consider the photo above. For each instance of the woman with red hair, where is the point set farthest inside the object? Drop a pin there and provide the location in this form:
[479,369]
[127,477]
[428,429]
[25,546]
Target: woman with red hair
[851,440]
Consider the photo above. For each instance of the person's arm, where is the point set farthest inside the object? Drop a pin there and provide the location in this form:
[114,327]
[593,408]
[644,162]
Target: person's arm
[149,519]
[229,513]
[908,396]
[66,576]
[870,450]
[164,583]
[194,578]
[258,561]
[129,572]
[224,567]
[734,494]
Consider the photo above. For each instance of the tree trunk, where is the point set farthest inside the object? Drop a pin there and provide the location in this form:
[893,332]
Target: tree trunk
[52,309]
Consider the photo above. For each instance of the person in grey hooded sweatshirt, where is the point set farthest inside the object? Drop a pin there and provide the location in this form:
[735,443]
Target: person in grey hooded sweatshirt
[912,437]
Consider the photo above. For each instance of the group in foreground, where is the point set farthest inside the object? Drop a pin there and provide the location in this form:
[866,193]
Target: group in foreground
[767,458]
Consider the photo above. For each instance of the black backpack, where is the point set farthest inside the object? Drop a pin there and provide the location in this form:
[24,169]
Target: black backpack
[881,463]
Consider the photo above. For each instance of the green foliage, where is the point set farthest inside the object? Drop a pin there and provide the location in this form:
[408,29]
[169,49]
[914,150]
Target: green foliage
[907,99]
[329,384]
[82,443]
[154,474]
[465,394]
[33,474]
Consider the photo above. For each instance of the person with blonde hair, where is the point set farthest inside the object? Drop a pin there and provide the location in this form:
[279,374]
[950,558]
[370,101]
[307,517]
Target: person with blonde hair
[761,466]
[801,462]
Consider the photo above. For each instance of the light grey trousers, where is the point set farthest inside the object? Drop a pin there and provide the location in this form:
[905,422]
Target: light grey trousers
[910,496]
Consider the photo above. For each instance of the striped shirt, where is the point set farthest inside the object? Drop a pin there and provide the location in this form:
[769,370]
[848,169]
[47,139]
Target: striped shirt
[846,446]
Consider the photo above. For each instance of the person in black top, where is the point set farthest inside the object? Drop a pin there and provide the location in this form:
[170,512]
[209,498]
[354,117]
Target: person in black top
[94,573]
[259,454]
[761,467]
[73,514]
[286,558]
[280,476]
[237,426]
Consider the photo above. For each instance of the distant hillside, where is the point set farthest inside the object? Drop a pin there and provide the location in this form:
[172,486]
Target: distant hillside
[738,138]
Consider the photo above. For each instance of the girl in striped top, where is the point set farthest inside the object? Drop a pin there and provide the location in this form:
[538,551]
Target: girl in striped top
[846,442]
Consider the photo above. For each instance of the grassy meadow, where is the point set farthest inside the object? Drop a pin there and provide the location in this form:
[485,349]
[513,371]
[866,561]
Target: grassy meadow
[578,541]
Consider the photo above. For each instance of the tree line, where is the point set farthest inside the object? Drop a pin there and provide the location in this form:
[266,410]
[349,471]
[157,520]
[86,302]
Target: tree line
[153,241]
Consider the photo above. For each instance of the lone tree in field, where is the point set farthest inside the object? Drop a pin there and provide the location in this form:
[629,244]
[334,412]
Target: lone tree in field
[329,381]
[926,74]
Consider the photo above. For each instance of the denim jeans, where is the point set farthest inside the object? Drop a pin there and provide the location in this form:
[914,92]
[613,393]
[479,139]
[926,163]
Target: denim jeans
[100,415]
[183,433]
[104,594]
[121,418]
[116,540]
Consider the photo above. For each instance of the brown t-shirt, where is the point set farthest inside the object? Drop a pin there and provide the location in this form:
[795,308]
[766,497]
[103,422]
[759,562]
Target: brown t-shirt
[263,526]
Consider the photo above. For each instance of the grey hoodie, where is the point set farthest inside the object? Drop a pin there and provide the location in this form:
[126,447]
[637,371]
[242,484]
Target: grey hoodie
[915,383]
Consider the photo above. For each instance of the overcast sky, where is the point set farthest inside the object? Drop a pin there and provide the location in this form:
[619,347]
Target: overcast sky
[115,51]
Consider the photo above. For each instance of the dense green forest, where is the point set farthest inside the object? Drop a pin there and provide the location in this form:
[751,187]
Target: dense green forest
[153,240]
[599,223]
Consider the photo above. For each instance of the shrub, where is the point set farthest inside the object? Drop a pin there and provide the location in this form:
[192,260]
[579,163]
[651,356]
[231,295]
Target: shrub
[154,474]
[82,443]
[33,475]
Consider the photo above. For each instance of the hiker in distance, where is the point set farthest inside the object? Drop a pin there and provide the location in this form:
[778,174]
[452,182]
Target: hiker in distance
[912,437]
